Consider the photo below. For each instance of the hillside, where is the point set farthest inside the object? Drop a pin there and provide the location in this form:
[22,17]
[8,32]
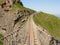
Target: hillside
[50,22]
[18,28]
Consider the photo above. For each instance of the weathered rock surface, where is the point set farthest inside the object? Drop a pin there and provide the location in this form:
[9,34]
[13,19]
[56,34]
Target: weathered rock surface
[7,4]
[8,19]
[10,23]
[18,37]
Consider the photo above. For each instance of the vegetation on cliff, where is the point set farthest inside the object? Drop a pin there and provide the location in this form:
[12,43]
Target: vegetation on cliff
[1,36]
[18,6]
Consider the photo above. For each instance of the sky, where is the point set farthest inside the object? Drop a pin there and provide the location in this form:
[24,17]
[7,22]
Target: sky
[48,6]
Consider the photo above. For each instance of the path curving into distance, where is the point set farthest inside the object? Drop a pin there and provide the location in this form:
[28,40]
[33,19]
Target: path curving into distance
[37,35]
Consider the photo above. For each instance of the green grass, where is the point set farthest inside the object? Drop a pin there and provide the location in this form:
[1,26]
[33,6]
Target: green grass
[18,6]
[49,22]
[1,43]
[1,36]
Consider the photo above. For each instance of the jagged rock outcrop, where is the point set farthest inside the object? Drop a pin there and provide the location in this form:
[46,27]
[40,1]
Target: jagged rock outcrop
[7,4]
[18,1]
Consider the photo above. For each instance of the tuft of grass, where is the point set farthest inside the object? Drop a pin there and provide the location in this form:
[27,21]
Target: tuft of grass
[49,22]
[1,36]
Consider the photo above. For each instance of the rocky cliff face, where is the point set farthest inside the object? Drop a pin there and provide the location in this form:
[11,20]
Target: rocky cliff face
[8,18]
[11,19]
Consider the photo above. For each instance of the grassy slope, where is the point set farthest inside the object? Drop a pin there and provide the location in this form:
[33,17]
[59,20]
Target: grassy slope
[18,6]
[49,22]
